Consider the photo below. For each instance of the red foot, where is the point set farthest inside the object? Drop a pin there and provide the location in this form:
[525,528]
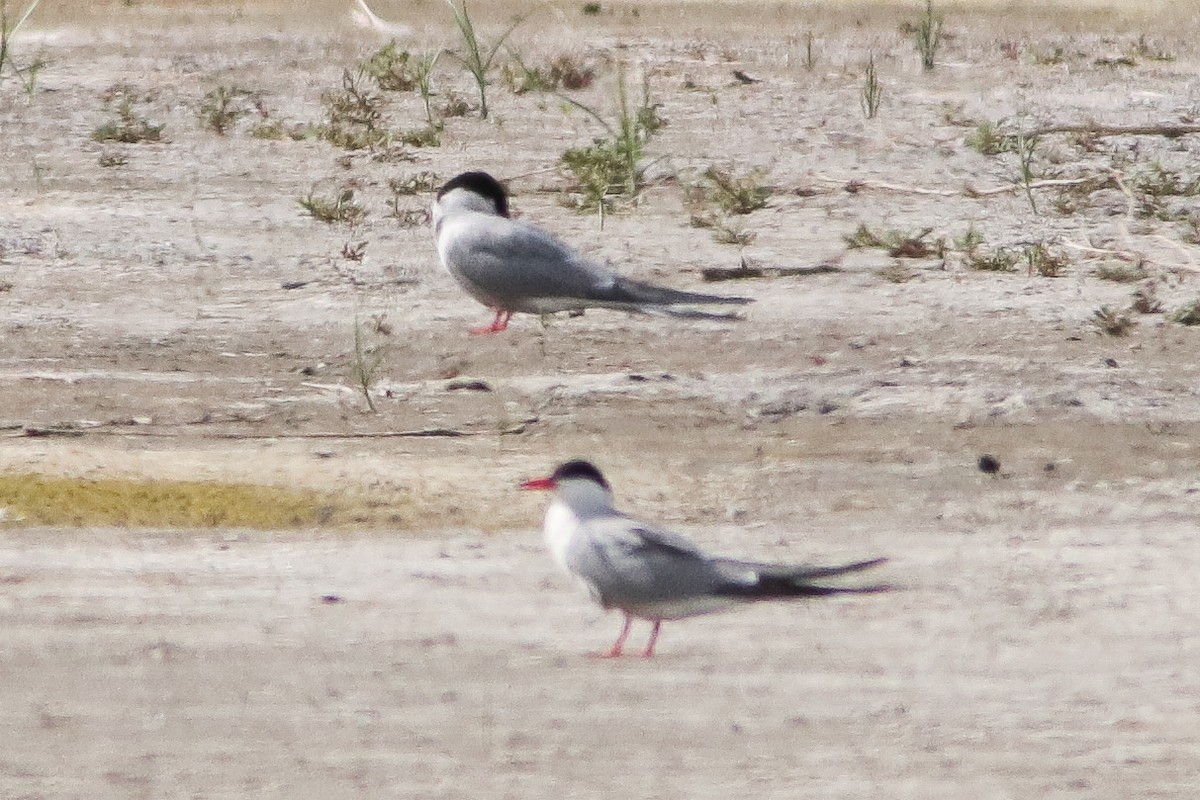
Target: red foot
[498,324]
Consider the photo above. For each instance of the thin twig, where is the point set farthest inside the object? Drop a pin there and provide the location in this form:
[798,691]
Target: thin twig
[1169,130]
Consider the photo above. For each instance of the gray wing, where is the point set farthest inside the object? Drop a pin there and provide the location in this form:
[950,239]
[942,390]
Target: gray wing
[629,564]
[512,262]
[520,267]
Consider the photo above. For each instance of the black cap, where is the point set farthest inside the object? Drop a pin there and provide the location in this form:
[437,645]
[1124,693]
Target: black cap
[481,184]
[579,470]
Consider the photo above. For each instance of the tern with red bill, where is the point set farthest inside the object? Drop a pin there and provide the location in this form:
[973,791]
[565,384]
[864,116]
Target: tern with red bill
[654,574]
[515,267]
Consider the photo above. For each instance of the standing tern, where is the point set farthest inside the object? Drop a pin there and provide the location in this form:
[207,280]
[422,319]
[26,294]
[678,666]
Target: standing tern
[654,574]
[512,266]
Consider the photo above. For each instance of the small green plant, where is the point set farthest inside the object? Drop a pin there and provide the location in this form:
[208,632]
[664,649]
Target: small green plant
[733,193]
[998,260]
[927,36]
[423,73]
[128,126]
[1027,145]
[8,30]
[1043,262]
[1153,186]
[989,141]
[1113,322]
[872,90]
[368,360]
[898,244]
[428,136]
[727,232]
[354,115]
[970,242]
[562,72]
[222,107]
[342,208]
[611,165]
[591,9]
[389,67]
[1188,315]
[478,58]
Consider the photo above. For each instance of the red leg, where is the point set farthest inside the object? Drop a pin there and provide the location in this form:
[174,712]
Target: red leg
[618,646]
[498,324]
[649,651]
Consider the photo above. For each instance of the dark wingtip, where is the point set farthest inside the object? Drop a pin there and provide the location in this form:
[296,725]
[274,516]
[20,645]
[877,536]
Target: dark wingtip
[481,183]
[579,470]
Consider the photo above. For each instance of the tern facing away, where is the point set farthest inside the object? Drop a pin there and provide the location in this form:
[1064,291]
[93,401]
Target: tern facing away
[654,574]
[515,267]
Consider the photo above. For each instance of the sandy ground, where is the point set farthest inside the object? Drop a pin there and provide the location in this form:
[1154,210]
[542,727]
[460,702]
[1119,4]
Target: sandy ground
[1043,639]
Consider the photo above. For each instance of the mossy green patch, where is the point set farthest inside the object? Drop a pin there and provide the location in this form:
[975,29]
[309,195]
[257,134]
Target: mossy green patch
[32,499]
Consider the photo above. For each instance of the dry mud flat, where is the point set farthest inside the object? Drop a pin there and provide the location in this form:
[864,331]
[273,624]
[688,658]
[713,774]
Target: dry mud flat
[1043,642]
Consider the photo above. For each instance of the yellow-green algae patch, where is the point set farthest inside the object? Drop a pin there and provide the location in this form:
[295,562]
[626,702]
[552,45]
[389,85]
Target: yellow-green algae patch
[32,499]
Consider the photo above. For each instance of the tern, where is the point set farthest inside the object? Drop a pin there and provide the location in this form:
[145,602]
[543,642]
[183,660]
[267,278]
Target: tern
[654,574]
[515,267]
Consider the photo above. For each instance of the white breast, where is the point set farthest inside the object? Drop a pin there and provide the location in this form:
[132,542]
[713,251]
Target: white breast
[560,526]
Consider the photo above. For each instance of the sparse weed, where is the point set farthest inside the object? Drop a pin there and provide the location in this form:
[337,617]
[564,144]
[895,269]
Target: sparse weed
[898,244]
[872,90]
[1191,233]
[368,360]
[1145,300]
[429,136]
[970,242]
[479,57]
[354,251]
[455,106]
[389,67]
[1121,273]
[896,272]
[1026,152]
[9,28]
[999,260]
[726,232]
[1113,322]
[408,187]
[989,141]
[112,159]
[1188,315]
[562,72]
[128,127]
[354,115]
[1050,58]
[1153,186]
[733,194]
[343,208]
[927,36]
[611,165]
[1043,262]
[413,184]
[222,107]
[267,129]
